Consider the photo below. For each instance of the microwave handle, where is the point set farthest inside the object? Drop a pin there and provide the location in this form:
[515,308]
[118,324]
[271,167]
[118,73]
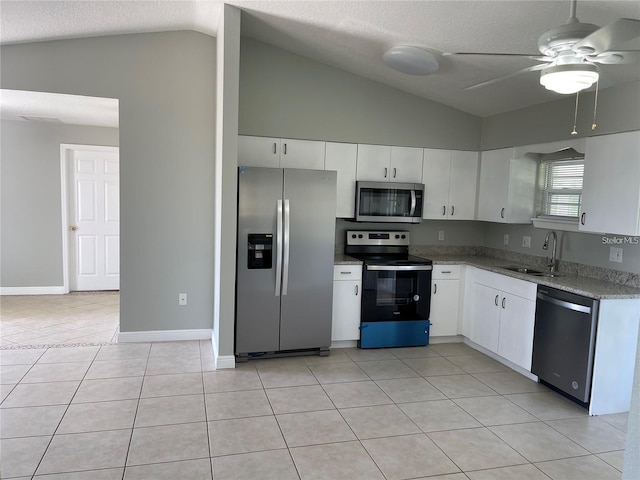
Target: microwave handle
[413,203]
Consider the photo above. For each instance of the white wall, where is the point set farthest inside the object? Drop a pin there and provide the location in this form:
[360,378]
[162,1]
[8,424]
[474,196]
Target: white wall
[226,178]
[165,86]
[31,217]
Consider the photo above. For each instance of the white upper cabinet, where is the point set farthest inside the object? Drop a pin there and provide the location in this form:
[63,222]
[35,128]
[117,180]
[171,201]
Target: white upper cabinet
[341,157]
[450,178]
[382,163]
[306,154]
[507,187]
[258,151]
[373,163]
[611,187]
[463,185]
[280,153]
[406,165]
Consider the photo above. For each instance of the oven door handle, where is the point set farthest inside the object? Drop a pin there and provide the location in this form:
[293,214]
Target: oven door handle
[400,268]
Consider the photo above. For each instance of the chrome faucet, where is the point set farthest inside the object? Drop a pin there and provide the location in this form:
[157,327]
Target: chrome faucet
[552,263]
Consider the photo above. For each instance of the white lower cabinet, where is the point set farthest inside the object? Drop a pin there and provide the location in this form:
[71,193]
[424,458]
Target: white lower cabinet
[500,316]
[347,291]
[445,298]
[515,342]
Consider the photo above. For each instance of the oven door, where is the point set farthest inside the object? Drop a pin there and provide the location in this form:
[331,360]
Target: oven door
[394,293]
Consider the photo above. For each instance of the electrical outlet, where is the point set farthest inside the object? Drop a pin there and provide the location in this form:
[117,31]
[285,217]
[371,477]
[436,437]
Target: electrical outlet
[440,234]
[526,241]
[505,239]
[182,299]
[615,254]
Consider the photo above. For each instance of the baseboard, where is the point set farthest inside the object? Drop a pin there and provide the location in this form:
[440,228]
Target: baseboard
[164,335]
[221,361]
[344,344]
[225,361]
[33,291]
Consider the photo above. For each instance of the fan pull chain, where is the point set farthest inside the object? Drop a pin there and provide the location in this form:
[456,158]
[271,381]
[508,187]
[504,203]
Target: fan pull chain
[575,115]
[595,106]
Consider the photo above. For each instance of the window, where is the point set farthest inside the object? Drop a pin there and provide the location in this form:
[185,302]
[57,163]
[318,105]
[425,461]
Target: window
[560,188]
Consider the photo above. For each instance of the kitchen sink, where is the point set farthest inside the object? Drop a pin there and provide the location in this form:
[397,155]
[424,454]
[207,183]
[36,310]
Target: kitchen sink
[531,271]
[527,270]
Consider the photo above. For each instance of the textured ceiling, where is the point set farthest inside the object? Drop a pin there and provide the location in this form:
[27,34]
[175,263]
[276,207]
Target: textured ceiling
[353,35]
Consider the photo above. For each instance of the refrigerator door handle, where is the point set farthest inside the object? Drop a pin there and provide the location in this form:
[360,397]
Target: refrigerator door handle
[278,247]
[285,256]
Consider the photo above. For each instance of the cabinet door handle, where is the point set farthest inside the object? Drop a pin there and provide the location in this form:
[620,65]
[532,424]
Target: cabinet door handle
[504,301]
[502,213]
[582,218]
[444,210]
[284,149]
[394,172]
[356,290]
[386,170]
[274,148]
[446,271]
[345,273]
[435,288]
[496,300]
[452,210]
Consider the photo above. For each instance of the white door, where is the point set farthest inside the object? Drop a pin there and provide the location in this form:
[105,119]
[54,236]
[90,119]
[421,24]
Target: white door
[94,229]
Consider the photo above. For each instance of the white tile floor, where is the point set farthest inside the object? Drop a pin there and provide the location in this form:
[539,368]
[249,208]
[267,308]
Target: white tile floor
[159,411]
[80,318]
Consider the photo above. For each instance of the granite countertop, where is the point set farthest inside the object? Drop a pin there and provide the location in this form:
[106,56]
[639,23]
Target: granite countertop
[570,282]
[340,259]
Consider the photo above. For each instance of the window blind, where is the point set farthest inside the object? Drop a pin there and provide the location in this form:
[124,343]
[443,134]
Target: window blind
[561,187]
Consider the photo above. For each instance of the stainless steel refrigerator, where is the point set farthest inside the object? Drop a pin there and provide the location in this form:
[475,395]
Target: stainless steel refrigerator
[286,241]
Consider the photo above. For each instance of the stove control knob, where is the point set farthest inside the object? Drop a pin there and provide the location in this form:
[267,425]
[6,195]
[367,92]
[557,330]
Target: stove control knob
[353,235]
[404,236]
[416,298]
[397,236]
[360,236]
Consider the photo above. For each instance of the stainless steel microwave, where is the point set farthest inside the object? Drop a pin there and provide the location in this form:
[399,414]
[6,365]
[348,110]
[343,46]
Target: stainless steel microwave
[389,202]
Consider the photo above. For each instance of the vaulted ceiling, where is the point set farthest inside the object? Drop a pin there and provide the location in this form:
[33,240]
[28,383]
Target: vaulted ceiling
[353,35]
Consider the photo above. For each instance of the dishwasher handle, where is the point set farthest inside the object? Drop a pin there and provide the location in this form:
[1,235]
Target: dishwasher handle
[562,303]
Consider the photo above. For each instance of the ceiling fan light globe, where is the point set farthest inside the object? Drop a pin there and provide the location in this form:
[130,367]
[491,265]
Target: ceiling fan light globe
[569,79]
[411,60]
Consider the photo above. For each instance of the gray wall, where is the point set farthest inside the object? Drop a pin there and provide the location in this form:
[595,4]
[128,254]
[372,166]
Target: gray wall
[456,233]
[286,95]
[586,248]
[618,111]
[30,198]
[165,86]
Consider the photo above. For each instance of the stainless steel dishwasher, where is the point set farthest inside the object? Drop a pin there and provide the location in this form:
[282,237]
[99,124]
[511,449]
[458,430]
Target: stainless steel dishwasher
[564,341]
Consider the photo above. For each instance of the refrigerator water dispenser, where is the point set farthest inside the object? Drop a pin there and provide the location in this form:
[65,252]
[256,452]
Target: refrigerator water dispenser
[259,251]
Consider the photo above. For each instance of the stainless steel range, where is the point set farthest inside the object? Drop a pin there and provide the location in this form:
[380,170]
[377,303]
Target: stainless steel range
[396,295]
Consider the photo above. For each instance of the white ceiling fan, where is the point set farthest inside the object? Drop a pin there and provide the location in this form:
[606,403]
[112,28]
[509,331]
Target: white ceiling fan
[573,52]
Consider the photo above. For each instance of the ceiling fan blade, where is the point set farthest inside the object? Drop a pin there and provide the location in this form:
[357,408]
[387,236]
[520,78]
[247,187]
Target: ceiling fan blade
[616,57]
[609,36]
[520,55]
[504,77]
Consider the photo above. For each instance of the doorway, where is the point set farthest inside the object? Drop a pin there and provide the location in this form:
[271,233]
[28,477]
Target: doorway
[90,185]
